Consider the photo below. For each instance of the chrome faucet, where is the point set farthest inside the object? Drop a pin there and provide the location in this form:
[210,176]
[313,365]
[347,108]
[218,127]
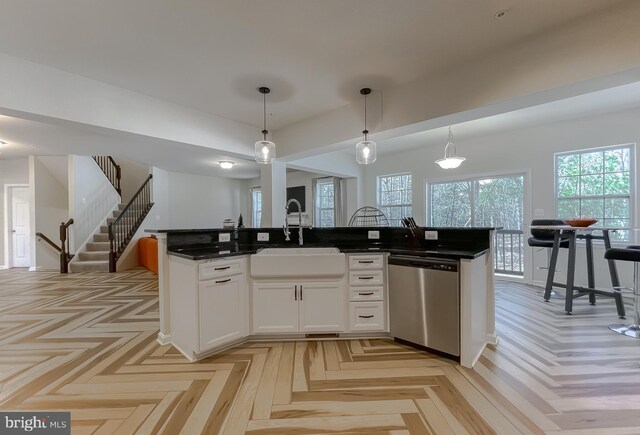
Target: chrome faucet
[287,233]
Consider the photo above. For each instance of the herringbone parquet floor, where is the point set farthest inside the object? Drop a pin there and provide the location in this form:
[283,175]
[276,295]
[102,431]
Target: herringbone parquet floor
[85,343]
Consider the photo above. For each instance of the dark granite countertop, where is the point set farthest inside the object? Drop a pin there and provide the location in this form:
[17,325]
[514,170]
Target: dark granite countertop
[231,250]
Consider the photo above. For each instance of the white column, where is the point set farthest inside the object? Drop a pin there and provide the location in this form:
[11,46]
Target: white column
[273,184]
[164,293]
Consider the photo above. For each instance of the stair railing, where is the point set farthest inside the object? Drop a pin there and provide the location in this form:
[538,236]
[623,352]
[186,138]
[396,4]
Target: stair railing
[111,169]
[123,228]
[65,254]
[63,249]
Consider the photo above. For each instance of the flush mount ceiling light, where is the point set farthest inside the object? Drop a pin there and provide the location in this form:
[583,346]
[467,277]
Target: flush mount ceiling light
[365,149]
[2,143]
[265,150]
[226,164]
[451,160]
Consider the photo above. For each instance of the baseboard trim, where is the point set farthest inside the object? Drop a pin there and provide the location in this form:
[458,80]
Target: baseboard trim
[493,339]
[163,339]
[4,267]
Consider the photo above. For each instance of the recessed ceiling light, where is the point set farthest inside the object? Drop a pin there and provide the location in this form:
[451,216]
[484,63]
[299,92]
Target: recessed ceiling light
[501,14]
[2,143]
[225,164]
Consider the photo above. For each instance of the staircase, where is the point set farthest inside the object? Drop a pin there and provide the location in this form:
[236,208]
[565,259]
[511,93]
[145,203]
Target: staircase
[110,241]
[95,257]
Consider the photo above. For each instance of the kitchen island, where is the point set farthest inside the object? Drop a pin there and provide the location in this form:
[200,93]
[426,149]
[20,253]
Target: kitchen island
[220,287]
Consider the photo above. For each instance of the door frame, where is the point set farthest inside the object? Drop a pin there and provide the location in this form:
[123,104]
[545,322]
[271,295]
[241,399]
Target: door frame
[8,217]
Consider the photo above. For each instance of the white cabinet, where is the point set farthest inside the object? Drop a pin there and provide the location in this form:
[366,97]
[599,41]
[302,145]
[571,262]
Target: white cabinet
[298,306]
[321,306]
[367,293]
[208,313]
[366,316]
[222,309]
[275,307]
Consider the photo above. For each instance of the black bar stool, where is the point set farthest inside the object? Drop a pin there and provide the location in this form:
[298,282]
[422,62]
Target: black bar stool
[544,239]
[630,253]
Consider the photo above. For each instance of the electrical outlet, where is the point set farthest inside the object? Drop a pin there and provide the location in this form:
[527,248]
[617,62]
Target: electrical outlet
[431,235]
[538,212]
[374,235]
[263,237]
[224,237]
[157,217]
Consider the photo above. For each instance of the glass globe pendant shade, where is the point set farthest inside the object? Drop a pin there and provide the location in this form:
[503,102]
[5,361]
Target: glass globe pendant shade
[366,152]
[265,152]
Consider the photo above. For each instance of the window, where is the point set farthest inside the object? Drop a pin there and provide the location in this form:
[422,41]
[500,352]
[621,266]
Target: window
[496,201]
[394,197]
[256,207]
[325,203]
[597,183]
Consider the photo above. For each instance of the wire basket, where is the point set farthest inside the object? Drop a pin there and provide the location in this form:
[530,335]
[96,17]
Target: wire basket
[368,217]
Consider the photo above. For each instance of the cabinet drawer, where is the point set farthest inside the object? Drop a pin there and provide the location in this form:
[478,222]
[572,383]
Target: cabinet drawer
[220,268]
[366,316]
[369,293]
[366,277]
[366,262]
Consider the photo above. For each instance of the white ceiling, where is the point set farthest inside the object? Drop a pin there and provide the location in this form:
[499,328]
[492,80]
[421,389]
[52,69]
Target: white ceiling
[25,137]
[609,100]
[315,55]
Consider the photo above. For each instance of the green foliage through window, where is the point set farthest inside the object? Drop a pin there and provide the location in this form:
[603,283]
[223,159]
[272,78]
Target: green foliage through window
[596,183]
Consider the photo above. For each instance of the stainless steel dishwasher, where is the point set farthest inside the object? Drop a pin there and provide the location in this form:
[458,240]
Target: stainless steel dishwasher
[424,303]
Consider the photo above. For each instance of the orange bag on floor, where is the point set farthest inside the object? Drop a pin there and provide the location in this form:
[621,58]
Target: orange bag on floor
[148,253]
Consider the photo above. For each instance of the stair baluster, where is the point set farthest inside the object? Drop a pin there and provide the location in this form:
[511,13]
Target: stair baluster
[125,225]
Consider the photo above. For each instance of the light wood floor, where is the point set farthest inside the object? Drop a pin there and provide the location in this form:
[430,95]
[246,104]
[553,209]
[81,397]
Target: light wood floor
[85,343]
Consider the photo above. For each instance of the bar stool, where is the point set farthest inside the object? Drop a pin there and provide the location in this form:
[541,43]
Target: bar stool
[630,253]
[544,239]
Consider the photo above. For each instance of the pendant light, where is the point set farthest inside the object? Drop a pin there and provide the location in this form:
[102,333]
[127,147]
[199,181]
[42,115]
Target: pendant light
[451,160]
[365,149]
[265,150]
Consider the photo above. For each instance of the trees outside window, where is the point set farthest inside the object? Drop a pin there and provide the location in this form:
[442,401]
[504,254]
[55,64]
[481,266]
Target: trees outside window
[395,197]
[597,183]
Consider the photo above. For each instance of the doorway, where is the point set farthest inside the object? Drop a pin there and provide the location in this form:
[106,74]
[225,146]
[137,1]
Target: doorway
[18,226]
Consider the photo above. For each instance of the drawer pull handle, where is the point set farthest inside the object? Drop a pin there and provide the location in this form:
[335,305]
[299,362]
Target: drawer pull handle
[365,277]
[366,317]
[222,268]
[365,294]
[223,281]
[295,293]
[365,261]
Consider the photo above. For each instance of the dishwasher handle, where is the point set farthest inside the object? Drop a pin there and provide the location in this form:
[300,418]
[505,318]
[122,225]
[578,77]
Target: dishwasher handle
[441,264]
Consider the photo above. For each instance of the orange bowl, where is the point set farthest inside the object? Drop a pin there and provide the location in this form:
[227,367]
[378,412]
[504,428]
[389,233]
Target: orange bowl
[580,222]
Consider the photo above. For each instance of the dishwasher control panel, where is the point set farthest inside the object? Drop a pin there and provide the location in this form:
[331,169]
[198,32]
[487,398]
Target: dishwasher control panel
[424,262]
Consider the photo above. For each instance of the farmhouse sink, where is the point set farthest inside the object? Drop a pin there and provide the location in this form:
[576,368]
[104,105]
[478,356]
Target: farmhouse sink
[297,262]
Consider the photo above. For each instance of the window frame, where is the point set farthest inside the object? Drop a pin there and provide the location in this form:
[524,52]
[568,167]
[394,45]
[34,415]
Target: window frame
[632,185]
[317,210]
[379,196]
[255,224]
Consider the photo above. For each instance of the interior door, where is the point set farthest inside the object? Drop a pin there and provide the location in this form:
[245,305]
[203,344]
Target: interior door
[20,231]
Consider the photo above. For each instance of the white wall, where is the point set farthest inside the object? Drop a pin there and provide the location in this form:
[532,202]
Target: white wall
[12,171]
[530,149]
[49,207]
[197,201]
[91,198]
[133,174]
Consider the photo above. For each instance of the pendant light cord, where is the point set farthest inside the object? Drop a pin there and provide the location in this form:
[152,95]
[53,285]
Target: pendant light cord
[365,132]
[264,116]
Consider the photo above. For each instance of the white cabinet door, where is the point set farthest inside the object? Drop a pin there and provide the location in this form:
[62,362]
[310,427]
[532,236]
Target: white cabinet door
[275,307]
[222,311]
[322,306]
